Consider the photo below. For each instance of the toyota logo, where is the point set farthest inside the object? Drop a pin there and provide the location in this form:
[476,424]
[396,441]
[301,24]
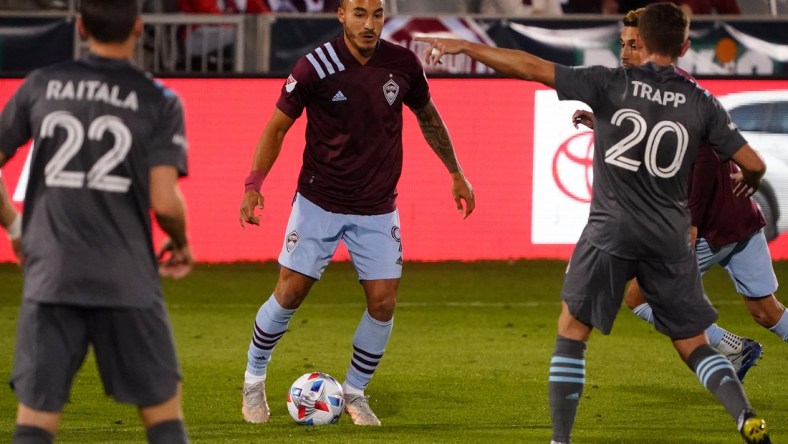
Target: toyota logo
[573,166]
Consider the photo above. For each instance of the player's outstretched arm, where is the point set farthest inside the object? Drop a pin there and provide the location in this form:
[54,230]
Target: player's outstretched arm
[752,170]
[511,62]
[167,204]
[268,148]
[437,136]
[10,219]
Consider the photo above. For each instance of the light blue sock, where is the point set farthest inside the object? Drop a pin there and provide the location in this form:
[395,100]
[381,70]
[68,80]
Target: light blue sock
[781,327]
[369,343]
[714,332]
[644,312]
[269,327]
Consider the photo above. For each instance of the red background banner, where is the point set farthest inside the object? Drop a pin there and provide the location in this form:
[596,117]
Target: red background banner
[491,122]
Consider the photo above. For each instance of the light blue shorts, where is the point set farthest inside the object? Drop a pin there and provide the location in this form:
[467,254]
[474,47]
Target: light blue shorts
[313,234]
[748,262]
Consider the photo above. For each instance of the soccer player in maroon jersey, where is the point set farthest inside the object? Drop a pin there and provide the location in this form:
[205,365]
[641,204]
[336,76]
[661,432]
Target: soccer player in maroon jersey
[728,230]
[650,122]
[353,89]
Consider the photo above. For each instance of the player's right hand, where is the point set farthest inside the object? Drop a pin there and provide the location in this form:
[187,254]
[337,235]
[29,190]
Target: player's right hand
[252,199]
[175,262]
[583,117]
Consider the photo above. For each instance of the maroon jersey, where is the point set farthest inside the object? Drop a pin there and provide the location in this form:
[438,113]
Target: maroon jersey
[721,217]
[353,154]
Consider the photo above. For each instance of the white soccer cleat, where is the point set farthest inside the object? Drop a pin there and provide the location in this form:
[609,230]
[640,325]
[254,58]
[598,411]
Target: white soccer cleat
[255,407]
[357,406]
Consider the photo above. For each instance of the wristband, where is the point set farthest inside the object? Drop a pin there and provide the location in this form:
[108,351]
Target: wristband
[254,181]
[15,229]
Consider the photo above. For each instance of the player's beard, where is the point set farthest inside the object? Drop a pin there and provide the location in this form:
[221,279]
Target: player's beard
[365,45]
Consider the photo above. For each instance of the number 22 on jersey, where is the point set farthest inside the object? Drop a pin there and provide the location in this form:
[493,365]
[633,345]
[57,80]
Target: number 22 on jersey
[98,177]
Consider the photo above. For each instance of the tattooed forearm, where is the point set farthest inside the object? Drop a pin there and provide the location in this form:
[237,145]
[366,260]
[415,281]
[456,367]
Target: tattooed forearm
[437,136]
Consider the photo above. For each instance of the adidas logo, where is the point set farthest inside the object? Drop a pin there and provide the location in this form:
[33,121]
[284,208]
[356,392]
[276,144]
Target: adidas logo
[573,397]
[726,379]
[339,97]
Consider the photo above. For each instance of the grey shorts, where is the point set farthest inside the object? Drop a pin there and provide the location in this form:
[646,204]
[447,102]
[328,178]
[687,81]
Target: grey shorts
[134,351]
[594,289]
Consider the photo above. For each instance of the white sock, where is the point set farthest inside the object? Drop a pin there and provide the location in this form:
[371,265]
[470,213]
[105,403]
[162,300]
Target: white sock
[348,389]
[730,344]
[252,379]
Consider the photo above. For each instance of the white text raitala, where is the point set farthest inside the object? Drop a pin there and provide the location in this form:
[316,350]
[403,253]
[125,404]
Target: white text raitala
[91,90]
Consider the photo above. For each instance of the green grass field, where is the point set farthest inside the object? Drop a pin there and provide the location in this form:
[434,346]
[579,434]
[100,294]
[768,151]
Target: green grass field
[467,362]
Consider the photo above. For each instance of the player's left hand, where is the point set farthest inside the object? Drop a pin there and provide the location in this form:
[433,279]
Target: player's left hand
[175,262]
[744,186]
[462,190]
[16,245]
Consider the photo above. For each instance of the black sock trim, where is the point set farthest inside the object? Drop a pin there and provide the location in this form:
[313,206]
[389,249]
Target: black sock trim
[25,434]
[571,347]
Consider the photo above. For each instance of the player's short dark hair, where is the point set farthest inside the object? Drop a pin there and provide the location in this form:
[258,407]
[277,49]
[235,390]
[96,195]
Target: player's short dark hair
[109,21]
[631,19]
[663,28]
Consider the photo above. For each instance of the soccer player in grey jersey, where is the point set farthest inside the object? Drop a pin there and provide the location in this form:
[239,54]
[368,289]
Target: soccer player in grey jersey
[353,89]
[728,229]
[650,121]
[108,147]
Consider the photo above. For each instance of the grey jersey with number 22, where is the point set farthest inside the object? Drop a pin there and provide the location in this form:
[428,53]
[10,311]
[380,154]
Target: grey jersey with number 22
[98,126]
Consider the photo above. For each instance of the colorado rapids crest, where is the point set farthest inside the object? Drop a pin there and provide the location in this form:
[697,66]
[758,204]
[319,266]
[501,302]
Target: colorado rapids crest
[390,90]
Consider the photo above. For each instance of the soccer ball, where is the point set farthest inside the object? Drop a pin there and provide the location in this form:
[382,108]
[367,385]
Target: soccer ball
[315,399]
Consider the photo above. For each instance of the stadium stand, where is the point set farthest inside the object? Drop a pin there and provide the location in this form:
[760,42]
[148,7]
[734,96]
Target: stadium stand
[258,39]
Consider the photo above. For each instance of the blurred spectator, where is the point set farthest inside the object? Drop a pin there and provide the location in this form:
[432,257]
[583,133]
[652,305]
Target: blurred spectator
[223,6]
[590,7]
[204,40]
[303,5]
[159,6]
[431,7]
[34,5]
[706,7]
[691,7]
[521,7]
[625,6]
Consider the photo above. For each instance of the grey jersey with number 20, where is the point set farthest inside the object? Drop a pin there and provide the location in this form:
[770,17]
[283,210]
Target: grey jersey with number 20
[649,123]
[98,126]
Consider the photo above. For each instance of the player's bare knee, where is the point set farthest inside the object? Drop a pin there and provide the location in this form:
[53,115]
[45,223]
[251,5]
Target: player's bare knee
[292,288]
[766,311]
[382,309]
[764,318]
[289,298]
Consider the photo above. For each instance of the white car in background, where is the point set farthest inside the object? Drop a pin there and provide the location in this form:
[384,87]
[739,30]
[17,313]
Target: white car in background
[762,117]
